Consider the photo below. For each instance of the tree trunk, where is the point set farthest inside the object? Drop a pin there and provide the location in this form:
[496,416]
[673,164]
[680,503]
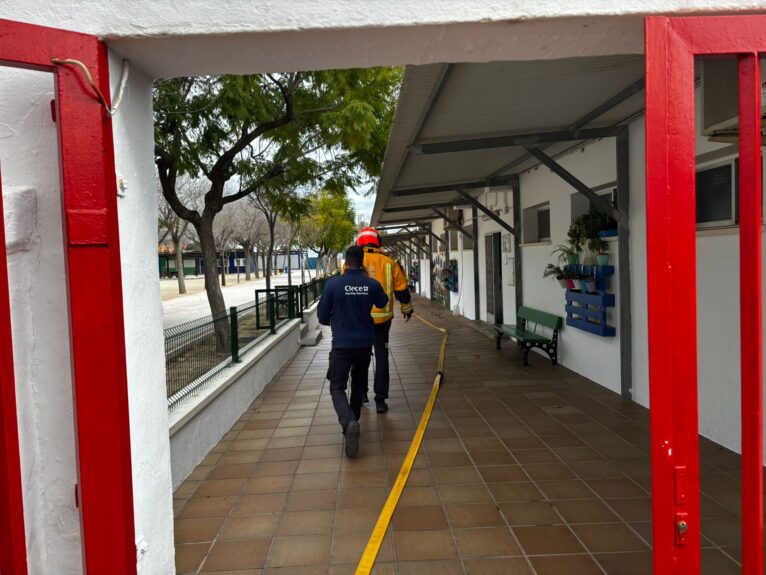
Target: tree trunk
[263,263]
[248,255]
[180,265]
[223,268]
[212,289]
[319,257]
[270,255]
[290,257]
[300,254]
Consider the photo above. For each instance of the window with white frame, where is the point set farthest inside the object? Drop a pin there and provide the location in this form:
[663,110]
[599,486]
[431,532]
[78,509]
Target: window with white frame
[536,222]
[717,193]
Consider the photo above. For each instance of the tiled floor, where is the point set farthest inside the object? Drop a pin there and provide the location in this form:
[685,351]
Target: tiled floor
[522,471]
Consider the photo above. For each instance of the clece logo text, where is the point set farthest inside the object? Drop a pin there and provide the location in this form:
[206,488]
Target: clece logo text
[356,289]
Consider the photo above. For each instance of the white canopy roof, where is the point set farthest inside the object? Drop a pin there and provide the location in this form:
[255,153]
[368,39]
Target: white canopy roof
[452,102]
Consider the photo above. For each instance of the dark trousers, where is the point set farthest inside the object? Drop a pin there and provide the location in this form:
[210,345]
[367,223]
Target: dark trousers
[381,360]
[342,362]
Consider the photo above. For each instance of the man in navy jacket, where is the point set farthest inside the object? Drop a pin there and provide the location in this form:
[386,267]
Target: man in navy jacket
[346,303]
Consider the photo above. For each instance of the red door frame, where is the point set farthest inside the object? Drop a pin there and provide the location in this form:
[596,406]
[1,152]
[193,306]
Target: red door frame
[89,192]
[671,47]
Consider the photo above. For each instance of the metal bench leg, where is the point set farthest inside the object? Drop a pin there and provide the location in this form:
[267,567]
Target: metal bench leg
[525,356]
[497,340]
[554,348]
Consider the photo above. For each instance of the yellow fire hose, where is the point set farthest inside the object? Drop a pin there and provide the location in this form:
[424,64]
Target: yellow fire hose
[379,532]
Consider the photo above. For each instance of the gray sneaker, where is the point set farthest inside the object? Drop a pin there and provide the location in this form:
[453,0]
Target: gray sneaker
[352,439]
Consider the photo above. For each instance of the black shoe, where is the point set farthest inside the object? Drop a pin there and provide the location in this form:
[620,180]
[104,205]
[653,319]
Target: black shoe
[365,399]
[380,406]
[352,439]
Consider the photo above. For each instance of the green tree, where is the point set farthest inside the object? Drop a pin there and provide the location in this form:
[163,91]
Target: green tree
[264,135]
[330,228]
[274,203]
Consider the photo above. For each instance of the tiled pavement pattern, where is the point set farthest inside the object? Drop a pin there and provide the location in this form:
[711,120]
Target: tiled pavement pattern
[522,471]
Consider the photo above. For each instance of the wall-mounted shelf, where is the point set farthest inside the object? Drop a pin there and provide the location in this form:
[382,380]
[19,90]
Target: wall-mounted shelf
[587,311]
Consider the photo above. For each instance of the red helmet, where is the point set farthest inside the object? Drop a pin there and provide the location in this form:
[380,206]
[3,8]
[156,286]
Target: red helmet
[368,237]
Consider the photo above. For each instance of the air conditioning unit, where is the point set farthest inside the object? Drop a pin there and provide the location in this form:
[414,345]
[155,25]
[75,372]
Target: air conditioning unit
[720,106]
[494,201]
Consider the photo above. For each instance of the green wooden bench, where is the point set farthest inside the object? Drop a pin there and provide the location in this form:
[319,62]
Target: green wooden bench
[526,338]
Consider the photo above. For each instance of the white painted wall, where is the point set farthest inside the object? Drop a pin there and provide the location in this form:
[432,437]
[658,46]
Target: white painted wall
[463,301]
[40,322]
[137,211]
[595,357]
[425,278]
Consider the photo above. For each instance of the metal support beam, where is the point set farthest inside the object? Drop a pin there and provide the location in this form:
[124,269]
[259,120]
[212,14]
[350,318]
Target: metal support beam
[417,207]
[453,223]
[518,283]
[415,236]
[433,235]
[501,181]
[508,141]
[395,223]
[492,215]
[476,286]
[415,248]
[430,263]
[402,246]
[623,266]
[581,122]
[383,228]
[570,179]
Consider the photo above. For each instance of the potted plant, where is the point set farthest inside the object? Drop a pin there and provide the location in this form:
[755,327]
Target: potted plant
[569,255]
[577,235]
[558,272]
[600,247]
[590,284]
[571,277]
[598,224]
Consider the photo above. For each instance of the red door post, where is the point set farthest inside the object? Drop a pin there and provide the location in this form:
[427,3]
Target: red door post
[671,47]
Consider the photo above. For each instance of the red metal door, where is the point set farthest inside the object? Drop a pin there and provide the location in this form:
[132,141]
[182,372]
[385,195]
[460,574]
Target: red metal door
[88,184]
[671,47]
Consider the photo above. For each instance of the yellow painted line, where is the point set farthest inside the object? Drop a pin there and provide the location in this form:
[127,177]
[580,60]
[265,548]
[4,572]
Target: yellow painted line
[367,561]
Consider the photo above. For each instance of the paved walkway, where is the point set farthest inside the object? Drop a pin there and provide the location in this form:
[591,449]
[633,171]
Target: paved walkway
[193,306]
[522,471]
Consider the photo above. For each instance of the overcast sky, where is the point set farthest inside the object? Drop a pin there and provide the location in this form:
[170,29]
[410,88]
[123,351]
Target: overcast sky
[362,205]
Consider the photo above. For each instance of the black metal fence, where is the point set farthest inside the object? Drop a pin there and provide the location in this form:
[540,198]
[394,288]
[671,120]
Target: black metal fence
[198,350]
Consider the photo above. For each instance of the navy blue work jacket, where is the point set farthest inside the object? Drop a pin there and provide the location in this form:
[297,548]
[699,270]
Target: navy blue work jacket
[346,303]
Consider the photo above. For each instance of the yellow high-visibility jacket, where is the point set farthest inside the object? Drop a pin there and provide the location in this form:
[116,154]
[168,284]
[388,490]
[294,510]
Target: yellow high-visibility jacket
[390,275]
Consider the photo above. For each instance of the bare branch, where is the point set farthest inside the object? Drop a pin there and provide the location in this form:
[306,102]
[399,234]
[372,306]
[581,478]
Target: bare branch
[272,173]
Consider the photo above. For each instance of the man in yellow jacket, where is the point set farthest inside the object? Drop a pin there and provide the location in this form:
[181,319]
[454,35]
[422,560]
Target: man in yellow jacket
[389,274]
